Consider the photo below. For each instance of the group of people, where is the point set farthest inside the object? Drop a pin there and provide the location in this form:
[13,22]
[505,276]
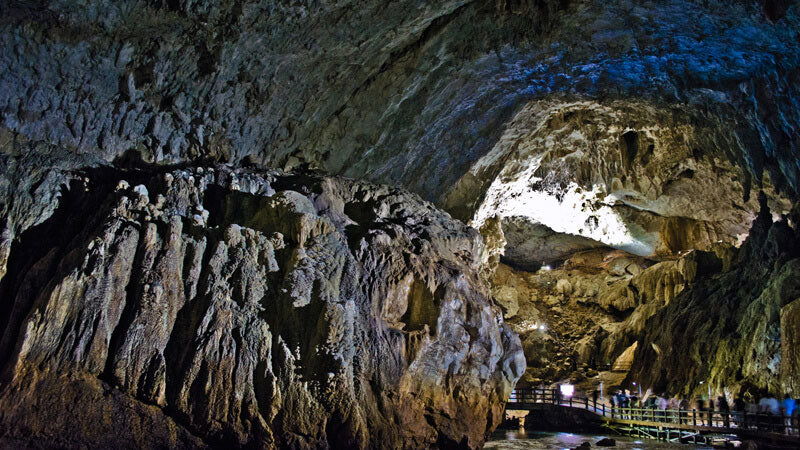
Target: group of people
[763,412]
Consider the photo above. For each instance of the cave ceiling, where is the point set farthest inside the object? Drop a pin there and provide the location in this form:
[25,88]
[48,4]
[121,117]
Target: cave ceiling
[624,122]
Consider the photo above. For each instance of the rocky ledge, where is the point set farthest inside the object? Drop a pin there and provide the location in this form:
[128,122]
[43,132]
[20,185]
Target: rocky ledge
[192,307]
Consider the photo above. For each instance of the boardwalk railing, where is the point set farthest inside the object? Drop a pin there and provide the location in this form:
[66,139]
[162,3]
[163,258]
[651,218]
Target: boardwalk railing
[616,367]
[685,419]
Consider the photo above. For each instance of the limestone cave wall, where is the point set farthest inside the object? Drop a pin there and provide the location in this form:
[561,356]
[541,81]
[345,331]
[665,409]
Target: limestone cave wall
[215,306]
[410,93]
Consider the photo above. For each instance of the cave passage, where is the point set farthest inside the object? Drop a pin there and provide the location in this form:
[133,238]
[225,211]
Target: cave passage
[361,224]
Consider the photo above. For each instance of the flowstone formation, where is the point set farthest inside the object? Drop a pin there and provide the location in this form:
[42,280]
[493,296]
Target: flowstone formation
[598,226]
[579,319]
[214,306]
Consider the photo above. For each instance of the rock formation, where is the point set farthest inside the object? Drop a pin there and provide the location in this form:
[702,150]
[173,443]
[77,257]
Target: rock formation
[229,307]
[579,318]
[733,329]
[412,93]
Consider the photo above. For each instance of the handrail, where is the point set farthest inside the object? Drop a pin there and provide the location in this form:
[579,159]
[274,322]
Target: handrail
[614,367]
[721,420]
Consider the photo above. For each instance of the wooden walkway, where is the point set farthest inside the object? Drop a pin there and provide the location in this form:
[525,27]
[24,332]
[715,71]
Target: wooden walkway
[669,425]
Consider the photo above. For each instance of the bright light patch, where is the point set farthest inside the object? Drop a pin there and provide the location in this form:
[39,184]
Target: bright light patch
[567,390]
[577,211]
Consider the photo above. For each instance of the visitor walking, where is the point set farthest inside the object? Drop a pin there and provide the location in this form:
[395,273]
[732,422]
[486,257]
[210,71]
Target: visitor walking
[701,406]
[673,405]
[796,419]
[683,406]
[725,410]
[624,403]
[753,410]
[663,404]
[738,411]
[787,410]
[769,408]
[769,404]
[710,411]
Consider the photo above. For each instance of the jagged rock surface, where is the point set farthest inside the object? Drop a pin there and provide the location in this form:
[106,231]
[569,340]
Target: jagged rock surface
[209,307]
[732,328]
[666,112]
[626,175]
[582,316]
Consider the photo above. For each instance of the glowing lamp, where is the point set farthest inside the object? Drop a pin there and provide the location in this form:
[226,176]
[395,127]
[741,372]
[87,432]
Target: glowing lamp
[567,390]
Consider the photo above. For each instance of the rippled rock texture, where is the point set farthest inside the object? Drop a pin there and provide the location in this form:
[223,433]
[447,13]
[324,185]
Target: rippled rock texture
[212,306]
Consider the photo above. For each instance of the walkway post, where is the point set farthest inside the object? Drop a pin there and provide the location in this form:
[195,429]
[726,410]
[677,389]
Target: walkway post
[694,418]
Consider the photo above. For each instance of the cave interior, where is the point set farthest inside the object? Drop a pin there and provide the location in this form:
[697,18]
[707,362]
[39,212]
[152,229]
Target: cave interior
[362,224]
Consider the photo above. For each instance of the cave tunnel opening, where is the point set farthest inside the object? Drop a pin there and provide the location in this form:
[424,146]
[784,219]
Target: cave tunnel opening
[603,255]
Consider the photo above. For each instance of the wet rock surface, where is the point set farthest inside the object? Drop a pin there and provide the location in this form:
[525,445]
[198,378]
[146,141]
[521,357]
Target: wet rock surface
[215,306]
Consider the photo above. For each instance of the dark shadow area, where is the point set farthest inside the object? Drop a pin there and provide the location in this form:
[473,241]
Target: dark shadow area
[39,252]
